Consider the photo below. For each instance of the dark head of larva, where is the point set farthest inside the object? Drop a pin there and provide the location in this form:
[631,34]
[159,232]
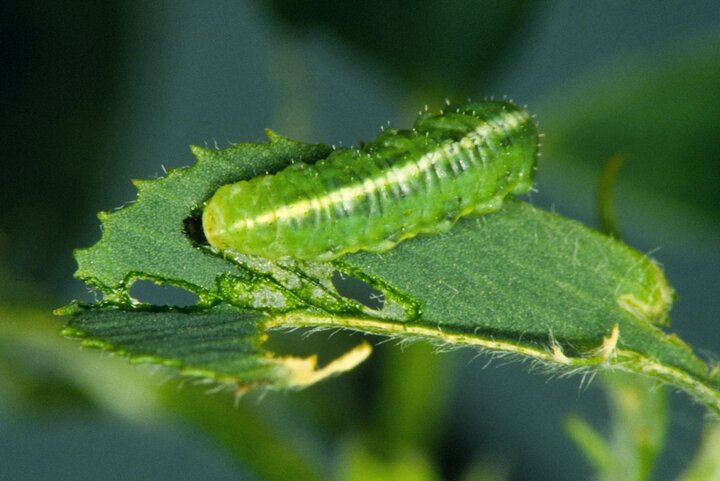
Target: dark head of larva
[194,229]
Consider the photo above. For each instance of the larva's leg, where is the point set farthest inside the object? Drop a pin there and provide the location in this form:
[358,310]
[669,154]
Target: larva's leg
[490,205]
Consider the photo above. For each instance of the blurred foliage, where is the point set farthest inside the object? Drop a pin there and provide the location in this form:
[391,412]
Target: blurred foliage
[706,464]
[438,48]
[638,408]
[658,111]
[605,201]
[61,75]
[357,464]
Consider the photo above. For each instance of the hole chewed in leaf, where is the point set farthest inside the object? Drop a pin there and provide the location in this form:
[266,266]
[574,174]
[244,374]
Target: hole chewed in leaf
[149,292]
[358,290]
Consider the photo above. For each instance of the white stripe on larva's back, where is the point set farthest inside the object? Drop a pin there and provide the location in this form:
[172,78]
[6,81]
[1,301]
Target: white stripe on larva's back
[508,121]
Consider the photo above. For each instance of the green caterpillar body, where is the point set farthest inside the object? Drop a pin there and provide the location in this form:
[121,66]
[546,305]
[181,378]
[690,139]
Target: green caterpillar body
[462,161]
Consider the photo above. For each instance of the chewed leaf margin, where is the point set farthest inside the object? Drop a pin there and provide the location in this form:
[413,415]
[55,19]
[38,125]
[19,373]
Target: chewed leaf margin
[148,238]
[220,339]
[220,344]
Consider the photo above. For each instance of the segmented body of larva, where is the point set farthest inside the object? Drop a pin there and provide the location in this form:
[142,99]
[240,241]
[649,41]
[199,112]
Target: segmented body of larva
[464,160]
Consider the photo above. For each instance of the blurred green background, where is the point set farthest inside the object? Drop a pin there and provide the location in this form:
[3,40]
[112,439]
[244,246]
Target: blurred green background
[97,93]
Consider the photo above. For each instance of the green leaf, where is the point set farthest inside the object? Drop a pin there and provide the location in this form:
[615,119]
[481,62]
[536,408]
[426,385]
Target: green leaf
[212,343]
[521,281]
[532,283]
